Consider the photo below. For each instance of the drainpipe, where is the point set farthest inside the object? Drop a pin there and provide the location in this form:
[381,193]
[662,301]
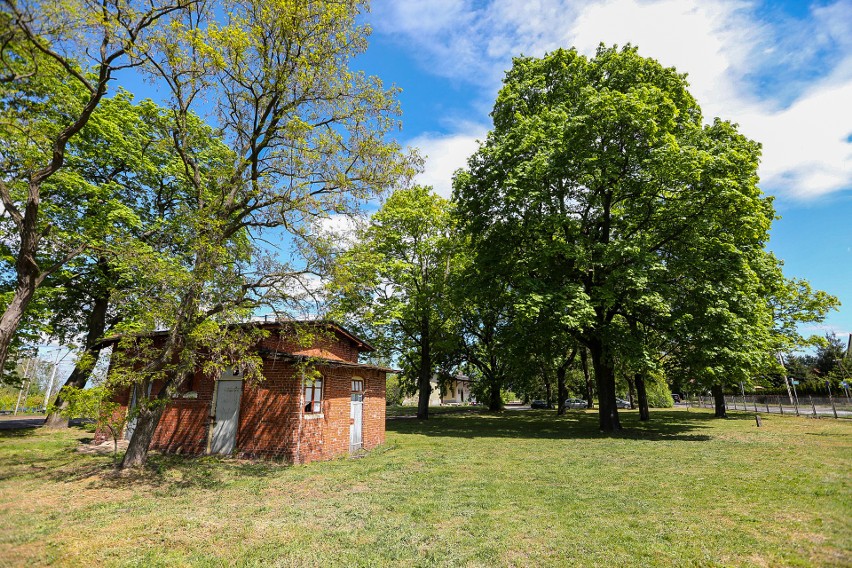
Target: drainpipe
[301,415]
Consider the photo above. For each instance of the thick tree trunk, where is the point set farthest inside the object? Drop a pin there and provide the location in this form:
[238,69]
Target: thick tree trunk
[604,366]
[495,398]
[631,393]
[83,369]
[561,392]
[425,374]
[146,424]
[11,318]
[719,401]
[643,397]
[590,394]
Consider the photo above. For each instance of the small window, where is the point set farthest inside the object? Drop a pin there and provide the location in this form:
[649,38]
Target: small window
[357,391]
[313,396]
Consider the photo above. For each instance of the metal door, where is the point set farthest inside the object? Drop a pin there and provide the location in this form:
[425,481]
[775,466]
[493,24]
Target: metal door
[356,416]
[228,393]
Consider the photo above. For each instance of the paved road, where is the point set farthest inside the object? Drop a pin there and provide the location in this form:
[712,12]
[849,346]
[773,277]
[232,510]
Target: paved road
[19,422]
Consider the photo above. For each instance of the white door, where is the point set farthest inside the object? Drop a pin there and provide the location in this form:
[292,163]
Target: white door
[356,416]
[228,393]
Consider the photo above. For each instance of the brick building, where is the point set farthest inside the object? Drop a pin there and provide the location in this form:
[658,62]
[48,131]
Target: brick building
[285,415]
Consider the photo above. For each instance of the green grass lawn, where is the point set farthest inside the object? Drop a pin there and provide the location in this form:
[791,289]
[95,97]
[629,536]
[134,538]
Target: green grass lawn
[470,489]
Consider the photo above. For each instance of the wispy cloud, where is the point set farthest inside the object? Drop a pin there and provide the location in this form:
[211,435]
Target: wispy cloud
[444,154]
[786,81]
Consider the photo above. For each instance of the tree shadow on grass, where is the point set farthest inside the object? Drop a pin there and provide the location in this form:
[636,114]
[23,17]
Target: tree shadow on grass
[167,473]
[34,452]
[532,424]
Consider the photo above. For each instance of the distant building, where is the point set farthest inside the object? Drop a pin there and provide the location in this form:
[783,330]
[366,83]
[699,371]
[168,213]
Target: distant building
[455,391]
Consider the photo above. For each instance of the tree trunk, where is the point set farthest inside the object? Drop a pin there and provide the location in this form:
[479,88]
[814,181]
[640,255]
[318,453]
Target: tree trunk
[146,424]
[561,392]
[495,398]
[643,397]
[425,374]
[83,369]
[604,366]
[631,393]
[11,318]
[719,401]
[590,394]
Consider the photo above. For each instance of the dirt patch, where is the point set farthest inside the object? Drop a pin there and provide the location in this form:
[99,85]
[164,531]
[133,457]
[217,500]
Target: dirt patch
[104,448]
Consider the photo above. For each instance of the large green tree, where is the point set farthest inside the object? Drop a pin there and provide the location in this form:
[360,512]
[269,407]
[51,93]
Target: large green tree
[57,61]
[125,148]
[598,174]
[393,282]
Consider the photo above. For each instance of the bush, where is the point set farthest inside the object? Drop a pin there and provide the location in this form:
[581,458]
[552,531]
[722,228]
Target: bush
[659,395]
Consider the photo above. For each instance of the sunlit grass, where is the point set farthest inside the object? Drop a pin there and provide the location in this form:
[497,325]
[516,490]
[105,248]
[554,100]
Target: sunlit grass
[515,489]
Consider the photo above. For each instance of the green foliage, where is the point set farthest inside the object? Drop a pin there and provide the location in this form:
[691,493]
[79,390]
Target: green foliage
[392,284]
[622,222]
[394,390]
[659,395]
[97,404]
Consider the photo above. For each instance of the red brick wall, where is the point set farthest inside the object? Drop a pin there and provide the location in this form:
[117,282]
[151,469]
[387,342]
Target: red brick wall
[184,424]
[269,415]
[269,410]
[332,341]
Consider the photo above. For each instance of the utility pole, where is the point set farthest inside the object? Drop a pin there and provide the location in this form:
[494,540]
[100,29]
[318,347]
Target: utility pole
[786,382]
[21,391]
[52,379]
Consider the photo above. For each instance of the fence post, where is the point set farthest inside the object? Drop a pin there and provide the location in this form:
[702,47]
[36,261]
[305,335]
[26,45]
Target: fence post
[813,407]
[781,406]
[767,405]
[831,398]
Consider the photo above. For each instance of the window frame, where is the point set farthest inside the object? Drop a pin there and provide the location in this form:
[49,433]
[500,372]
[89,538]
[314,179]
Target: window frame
[309,403]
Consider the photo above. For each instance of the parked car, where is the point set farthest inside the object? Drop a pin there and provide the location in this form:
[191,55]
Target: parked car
[676,398]
[575,403]
[539,404]
[621,403]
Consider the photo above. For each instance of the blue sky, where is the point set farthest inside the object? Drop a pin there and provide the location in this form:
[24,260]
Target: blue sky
[782,70]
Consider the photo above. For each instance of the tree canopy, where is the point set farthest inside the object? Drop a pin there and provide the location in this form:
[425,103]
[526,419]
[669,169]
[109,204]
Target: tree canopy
[609,200]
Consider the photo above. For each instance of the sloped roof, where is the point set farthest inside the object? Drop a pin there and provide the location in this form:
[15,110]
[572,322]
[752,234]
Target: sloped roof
[323,361]
[361,344]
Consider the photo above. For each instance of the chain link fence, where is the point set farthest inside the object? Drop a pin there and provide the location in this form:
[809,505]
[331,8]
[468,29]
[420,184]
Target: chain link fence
[804,405]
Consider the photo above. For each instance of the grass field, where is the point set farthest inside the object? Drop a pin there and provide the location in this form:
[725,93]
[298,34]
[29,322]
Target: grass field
[515,489]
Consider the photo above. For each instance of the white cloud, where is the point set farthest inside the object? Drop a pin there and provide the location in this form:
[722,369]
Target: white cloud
[787,82]
[806,152]
[341,229]
[444,154]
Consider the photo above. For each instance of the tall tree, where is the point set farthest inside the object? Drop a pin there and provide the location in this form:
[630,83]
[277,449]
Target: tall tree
[595,170]
[43,49]
[393,282]
[125,150]
[305,137]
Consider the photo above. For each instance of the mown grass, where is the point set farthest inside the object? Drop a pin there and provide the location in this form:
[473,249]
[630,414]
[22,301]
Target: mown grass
[513,489]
